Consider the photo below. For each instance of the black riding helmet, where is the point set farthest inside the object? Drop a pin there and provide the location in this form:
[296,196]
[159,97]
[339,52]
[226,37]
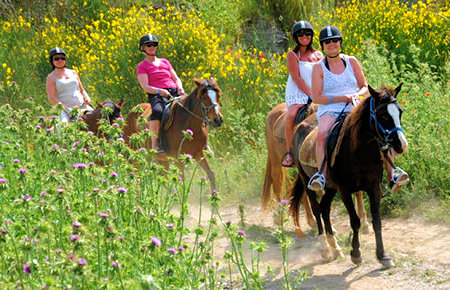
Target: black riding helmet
[329,32]
[301,25]
[147,38]
[55,51]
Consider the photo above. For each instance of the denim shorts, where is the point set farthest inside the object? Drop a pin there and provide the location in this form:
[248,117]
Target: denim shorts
[333,114]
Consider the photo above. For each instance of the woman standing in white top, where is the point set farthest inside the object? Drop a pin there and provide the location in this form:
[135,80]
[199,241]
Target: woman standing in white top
[64,86]
[300,62]
[337,80]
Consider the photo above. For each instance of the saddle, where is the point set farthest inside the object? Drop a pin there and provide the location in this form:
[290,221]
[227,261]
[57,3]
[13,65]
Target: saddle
[334,139]
[279,125]
[166,121]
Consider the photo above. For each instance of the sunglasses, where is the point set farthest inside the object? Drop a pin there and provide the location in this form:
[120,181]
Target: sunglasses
[334,40]
[59,58]
[301,33]
[151,44]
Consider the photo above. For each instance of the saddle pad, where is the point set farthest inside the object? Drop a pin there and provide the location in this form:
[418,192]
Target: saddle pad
[307,153]
[334,139]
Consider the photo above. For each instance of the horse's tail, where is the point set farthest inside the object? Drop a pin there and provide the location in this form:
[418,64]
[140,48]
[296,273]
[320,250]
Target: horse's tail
[296,195]
[266,195]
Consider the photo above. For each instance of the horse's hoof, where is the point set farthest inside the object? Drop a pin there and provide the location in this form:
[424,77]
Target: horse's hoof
[326,255]
[356,261]
[364,226]
[387,262]
[337,253]
[299,233]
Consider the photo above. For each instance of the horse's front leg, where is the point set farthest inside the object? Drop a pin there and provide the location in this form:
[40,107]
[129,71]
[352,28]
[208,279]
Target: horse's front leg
[355,223]
[331,243]
[211,175]
[375,197]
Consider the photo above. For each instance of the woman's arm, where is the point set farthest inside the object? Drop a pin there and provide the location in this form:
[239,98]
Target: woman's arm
[177,80]
[51,90]
[143,82]
[86,98]
[360,77]
[294,71]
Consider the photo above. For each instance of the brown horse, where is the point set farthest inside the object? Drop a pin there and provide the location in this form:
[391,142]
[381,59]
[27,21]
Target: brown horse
[194,112]
[113,112]
[355,164]
[276,175]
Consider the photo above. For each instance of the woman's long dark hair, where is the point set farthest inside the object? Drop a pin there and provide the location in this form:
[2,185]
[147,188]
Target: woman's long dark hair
[308,47]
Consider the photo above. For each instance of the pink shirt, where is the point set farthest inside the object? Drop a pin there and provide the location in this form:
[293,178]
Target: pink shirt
[158,76]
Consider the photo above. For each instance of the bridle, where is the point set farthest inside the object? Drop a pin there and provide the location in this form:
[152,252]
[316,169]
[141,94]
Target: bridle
[382,135]
[111,105]
[205,109]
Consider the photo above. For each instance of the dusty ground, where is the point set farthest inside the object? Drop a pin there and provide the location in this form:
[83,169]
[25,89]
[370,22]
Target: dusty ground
[421,252]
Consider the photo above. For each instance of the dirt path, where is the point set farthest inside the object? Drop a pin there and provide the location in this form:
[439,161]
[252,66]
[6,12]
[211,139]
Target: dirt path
[420,251]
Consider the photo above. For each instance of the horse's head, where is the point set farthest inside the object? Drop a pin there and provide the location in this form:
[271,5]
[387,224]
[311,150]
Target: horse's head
[385,119]
[209,96]
[113,111]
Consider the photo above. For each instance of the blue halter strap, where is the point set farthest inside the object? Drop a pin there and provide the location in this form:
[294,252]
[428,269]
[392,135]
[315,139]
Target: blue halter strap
[383,135]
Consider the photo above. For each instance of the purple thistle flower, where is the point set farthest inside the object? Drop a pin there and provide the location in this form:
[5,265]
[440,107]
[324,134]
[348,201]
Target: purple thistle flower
[76,224]
[114,174]
[203,178]
[189,156]
[122,189]
[58,251]
[169,225]
[74,238]
[8,221]
[103,215]
[82,262]
[23,170]
[241,232]
[16,160]
[80,165]
[142,149]
[180,248]
[43,193]
[27,269]
[116,125]
[156,241]
[26,198]
[228,223]
[3,180]
[283,201]
[38,127]
[172,250]
[3,231]
[190,132]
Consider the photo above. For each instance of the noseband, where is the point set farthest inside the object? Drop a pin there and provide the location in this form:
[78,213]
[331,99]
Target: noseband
[383,136]
[205,109]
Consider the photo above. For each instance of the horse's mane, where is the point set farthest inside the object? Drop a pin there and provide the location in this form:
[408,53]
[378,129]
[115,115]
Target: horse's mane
[355,120]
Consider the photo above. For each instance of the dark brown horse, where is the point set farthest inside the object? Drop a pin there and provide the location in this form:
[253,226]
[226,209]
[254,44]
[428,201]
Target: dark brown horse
[194,112]
[355,164]
[108,110]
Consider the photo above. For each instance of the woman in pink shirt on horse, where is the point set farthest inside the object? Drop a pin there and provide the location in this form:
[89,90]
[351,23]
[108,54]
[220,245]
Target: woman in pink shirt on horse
[159,80]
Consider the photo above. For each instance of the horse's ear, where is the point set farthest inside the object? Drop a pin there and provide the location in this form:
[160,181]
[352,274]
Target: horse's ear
[99,104]
[372,91]
[198,82]
[120,103]
[397,90]
[212,80]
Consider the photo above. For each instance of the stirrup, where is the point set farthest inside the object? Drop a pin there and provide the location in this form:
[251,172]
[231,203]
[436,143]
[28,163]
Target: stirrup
[284,159]
[399,178]
[317,183]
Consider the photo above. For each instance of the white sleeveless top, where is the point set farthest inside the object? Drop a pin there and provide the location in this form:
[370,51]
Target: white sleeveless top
[293,94]
[68,91]
[341,84]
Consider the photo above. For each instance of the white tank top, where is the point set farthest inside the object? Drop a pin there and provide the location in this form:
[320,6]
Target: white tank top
[341,84]
[292,90]
[68,91]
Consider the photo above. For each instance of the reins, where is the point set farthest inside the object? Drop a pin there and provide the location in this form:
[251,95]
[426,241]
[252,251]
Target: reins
[383,136]
[205,109]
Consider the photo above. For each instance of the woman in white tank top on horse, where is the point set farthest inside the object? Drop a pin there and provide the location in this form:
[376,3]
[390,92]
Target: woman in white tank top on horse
[338,80]
[300,62]
[64,86]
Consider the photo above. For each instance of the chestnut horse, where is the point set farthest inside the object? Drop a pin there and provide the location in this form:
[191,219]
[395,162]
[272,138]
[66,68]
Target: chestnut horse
[113,112]
[276,174]
[195,112]
[355,164]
